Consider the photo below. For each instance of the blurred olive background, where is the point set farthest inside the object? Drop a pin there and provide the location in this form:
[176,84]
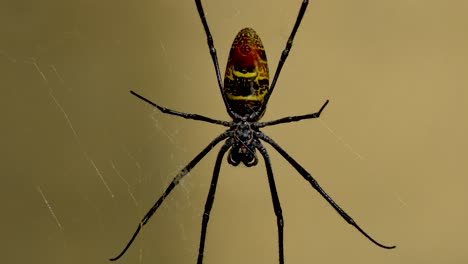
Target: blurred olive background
[82,160]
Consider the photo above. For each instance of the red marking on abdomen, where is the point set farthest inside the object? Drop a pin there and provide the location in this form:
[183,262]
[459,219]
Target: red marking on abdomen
[244,56]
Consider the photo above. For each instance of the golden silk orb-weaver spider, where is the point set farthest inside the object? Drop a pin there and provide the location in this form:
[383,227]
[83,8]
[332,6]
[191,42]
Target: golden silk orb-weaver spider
[245,93]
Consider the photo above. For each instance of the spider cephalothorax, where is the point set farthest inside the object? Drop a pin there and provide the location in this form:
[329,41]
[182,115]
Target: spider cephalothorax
[245,94]
[243,147]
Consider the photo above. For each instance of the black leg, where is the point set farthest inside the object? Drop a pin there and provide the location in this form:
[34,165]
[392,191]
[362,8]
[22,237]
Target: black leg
[275,198]
[181,114]
[285,53]
[171,186]
[210,199]
[292,118]
[214,57]
[317,187]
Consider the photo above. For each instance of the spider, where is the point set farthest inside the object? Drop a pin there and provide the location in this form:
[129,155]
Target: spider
[245,93]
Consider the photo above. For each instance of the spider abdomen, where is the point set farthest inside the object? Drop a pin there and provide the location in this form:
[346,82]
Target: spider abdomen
[246,81]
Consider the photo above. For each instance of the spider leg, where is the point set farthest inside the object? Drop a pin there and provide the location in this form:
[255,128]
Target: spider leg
[181,114]
[210,199]
[285,53]
[171,186]
[275,198]
[292,118]
[214,57]
[317,187]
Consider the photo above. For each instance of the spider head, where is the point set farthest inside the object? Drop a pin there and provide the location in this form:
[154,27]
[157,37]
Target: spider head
[243,149]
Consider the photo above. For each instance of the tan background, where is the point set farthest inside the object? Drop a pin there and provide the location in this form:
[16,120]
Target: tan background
[82,160]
